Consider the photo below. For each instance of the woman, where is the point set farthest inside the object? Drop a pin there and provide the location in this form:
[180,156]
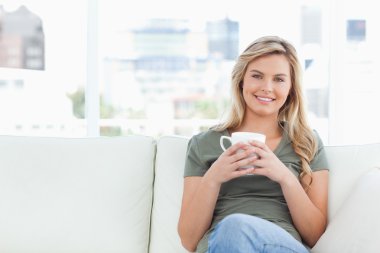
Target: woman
[282,207]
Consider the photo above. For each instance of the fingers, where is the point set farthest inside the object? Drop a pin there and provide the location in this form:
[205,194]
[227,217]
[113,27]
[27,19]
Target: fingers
[261,149]
[243,162]
[243,172]
[234,148]
[238,152]
[260,145]
[241,145]
[243,154]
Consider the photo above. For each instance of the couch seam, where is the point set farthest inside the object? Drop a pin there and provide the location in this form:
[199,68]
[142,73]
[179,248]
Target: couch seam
[155,144]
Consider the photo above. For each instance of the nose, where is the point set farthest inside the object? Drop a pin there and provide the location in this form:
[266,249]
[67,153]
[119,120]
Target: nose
[267,85]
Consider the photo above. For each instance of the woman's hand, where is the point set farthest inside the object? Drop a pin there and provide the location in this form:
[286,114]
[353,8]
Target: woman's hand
[226,167]
[267,163]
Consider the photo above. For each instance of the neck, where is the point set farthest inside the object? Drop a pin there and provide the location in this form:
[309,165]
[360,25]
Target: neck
[265,125]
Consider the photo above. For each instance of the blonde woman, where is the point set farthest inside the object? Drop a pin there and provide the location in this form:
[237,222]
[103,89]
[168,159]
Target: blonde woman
[282,207]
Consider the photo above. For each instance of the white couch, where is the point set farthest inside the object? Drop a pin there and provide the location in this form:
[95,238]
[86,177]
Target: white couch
[122,194]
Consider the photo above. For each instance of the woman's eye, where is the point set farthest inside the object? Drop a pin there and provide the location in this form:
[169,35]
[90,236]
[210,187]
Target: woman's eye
[256,76]
[279,80]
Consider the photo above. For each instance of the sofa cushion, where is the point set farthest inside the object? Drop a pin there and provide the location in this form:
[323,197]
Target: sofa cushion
[356,226]
[168,186]
[75,195]
[347,164]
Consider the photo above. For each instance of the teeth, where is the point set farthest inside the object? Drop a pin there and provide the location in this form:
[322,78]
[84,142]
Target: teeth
[265,99]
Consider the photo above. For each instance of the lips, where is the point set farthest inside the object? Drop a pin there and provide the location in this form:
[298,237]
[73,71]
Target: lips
[265,99]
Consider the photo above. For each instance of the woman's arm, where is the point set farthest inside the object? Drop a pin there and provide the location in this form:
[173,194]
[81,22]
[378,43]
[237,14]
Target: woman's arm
[198,204]
[200,193]
[308,210]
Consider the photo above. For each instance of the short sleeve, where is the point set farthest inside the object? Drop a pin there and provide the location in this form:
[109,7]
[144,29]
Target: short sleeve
[193,164]
[319,161]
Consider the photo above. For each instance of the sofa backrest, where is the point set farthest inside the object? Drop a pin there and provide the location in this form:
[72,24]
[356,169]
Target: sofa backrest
[347,164]
[74,195]
[168,188]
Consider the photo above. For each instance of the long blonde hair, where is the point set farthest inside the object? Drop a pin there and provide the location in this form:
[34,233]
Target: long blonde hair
[292,112]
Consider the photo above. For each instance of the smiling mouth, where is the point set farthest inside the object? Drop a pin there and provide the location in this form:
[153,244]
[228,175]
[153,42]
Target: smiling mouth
[263,99]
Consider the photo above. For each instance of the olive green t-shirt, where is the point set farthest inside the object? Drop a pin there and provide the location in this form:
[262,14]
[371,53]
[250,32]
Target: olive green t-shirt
[252,194]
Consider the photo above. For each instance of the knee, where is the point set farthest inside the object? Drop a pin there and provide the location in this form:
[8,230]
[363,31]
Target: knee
[234,221]
[233,226]
[232,234]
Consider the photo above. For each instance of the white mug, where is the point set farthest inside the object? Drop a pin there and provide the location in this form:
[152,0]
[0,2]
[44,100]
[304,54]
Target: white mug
[242,137]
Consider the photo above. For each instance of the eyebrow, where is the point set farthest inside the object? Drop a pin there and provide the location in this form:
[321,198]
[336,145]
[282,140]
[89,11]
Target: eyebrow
[261,73]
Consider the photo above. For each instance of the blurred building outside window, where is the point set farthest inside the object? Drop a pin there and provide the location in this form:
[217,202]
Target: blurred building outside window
[42,61]
[166,71]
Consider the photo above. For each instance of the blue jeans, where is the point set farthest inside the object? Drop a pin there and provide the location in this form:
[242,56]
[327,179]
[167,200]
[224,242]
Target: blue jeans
[241,233]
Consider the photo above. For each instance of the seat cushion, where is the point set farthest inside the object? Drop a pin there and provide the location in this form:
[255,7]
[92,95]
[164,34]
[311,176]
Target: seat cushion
[168,187]
[75,195]
[356,225]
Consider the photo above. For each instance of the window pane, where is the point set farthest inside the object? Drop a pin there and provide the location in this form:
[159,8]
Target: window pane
[167,71]
[164,70]
[355,89]
[42,67]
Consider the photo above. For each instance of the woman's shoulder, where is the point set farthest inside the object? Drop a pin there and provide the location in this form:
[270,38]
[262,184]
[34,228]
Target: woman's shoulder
[206,143]
[318,139]
[208,135]
[315,134]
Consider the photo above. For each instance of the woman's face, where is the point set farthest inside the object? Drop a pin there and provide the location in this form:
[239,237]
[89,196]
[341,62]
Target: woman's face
[266,85]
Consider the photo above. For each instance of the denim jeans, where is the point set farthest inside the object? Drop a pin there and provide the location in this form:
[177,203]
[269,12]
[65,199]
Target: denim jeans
[241,233]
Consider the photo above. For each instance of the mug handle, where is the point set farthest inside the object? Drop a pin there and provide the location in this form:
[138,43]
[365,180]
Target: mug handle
[221,141]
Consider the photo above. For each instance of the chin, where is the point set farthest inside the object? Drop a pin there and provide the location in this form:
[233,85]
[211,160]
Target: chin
[262,113]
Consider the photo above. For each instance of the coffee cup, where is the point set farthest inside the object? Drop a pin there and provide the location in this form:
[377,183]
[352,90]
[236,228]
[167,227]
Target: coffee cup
[244,137]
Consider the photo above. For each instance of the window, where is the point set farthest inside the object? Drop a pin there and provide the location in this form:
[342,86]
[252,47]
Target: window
[168,71]
[42,64]
[356,30]
[164,70]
